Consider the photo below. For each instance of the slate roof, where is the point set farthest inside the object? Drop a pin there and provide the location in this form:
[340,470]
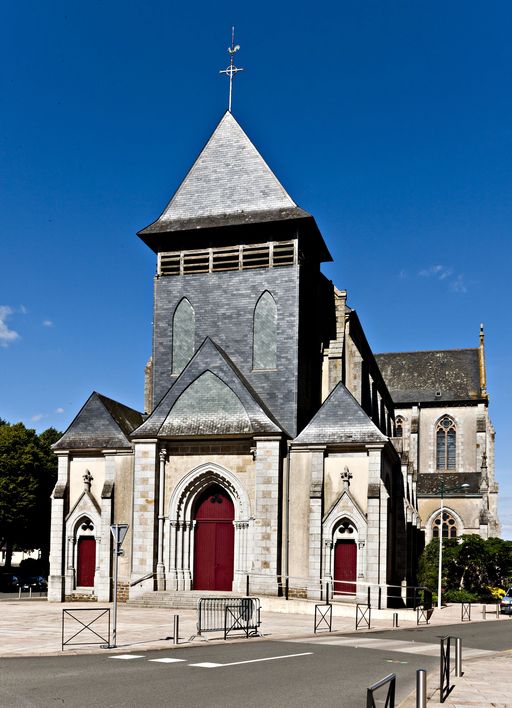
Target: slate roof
[210,397]
[101,424]
[229,183]
[416,377]
[340,420]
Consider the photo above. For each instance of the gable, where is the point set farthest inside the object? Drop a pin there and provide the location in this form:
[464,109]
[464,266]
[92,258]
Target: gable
[208,406]
[101,424]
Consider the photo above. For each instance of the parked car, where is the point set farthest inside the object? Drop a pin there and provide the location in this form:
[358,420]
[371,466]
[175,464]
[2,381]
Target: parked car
[36,583]
[506,603]
[9,582]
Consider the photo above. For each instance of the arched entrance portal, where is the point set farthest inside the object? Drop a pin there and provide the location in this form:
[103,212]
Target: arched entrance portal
[86,561]
[214,540]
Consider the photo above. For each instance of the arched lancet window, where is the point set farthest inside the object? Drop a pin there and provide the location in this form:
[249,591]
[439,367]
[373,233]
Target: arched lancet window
[449,526]
[399,427]
[445,444]
[183,335]
[264,350]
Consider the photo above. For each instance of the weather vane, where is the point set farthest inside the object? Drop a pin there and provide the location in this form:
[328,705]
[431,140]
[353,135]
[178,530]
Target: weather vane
[232,69]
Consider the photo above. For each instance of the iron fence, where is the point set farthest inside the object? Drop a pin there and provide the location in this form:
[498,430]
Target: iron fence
[69,616]
[241,617]
[423,614]
[363,615]
[444,677]
[390,681]
[211,612]
[323,616]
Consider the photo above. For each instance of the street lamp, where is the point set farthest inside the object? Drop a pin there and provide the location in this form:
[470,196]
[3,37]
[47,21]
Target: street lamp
[458,488]
[119,531]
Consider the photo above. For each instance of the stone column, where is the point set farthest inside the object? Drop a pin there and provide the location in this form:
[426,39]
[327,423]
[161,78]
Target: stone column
[57,532]
[160,566]
[104,542]
[266,532]
[376,546]
[144,551]
[315,521]
[172,578]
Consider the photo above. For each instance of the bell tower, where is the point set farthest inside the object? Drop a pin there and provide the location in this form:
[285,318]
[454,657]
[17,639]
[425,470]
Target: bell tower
[239,262]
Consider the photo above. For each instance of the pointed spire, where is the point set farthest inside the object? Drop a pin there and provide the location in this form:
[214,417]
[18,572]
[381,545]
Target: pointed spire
[481,359]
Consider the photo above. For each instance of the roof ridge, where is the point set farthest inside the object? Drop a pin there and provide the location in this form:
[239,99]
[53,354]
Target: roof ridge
[430,351]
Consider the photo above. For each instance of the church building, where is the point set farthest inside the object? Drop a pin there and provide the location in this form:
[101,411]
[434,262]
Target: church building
[274,447]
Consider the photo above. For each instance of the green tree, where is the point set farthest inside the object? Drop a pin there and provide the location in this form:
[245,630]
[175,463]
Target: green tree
[28,471]
[471,565]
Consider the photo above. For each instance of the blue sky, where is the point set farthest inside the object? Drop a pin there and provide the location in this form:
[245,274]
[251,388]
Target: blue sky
[391,122]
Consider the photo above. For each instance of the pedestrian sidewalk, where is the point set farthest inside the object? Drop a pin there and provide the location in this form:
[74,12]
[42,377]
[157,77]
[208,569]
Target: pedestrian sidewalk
[34,628]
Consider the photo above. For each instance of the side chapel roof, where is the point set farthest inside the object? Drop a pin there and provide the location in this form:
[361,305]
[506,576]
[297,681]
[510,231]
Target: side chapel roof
[210,397]
[340,420]
[101,423]
[229,183]
[431,376]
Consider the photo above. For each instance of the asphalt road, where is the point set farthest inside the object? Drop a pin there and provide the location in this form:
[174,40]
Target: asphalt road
[306,673]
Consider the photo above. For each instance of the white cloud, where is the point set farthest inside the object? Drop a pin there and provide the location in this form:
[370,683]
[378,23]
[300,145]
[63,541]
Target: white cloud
[47,323]
[59,410]
[439,272]
[458,285]
[23,310]
[7,336]
[37,417]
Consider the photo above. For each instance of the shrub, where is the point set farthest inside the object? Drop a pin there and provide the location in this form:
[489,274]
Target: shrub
[460,596]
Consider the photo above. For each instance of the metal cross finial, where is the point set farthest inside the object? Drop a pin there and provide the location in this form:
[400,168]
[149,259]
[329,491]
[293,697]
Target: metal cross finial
[232,69]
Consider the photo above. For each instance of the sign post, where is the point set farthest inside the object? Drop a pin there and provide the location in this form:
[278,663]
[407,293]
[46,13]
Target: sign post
[119,532]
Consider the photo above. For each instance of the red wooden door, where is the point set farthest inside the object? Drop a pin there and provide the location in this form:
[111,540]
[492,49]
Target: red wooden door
[214,540]
[86,562]
[345,567]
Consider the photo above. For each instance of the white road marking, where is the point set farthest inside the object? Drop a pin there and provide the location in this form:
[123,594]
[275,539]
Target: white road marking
[127,656]
[211,665]
[166,660]
[395,645]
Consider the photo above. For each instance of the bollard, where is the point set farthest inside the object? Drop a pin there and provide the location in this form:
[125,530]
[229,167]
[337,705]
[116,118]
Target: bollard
[421,688]
[247,585]
[176,632]
[458,657]
[395,619]
[483,612]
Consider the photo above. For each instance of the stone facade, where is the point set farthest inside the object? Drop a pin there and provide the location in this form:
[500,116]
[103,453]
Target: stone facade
[268,425]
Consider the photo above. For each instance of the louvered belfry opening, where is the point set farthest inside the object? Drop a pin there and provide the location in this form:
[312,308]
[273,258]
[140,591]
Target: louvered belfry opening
[242,257]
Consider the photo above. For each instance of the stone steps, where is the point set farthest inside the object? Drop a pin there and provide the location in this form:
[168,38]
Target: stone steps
[175,600]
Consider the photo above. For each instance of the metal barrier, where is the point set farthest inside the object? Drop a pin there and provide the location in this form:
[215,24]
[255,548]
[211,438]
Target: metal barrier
[445,666]
[86,627]
[421,688]
[176,630]
[465,612]
[484,611]
[363,615]
[395,619]
[423,615]
[241,617]
[211,612]
[323,617]
[390,697]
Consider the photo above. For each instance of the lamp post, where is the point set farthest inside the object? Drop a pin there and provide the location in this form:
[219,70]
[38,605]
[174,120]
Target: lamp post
[458,488]
[118,532]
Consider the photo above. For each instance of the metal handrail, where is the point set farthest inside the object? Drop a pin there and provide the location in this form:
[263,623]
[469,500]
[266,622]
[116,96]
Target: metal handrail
[141,580]
[390,697]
